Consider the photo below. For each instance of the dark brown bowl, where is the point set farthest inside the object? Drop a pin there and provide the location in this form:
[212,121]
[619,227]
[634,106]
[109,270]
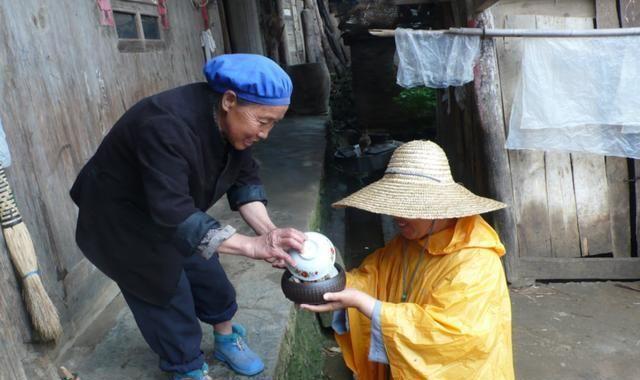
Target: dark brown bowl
[311,292]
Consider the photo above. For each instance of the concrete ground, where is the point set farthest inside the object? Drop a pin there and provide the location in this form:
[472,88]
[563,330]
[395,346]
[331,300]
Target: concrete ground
[291,169]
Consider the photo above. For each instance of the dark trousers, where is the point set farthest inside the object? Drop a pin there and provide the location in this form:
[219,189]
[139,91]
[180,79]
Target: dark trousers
[173,331]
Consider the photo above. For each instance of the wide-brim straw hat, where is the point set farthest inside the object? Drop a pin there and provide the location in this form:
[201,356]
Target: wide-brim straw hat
[417,184]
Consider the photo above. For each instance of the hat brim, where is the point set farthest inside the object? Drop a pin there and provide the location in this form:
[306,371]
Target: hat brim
[397,196]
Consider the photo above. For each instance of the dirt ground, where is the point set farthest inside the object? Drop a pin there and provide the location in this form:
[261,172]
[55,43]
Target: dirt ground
[584,330]
[561,331]
[569,331]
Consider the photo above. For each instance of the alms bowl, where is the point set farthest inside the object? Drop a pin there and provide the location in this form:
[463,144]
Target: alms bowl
[312,292]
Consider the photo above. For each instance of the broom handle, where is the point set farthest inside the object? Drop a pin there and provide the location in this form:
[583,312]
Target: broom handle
[9,213]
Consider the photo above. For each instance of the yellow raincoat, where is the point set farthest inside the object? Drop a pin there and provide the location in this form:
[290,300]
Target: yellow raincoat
[456,322]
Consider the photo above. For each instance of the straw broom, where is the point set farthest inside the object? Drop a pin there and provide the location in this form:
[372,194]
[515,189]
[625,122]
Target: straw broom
[44,315]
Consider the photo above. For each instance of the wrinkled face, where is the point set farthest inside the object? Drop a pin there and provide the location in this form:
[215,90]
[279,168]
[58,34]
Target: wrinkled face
[413,229]
[244,124]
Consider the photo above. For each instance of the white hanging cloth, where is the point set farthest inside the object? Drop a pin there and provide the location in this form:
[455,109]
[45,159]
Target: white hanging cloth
[208,44]
[578,95]
[5,154]
[435,59]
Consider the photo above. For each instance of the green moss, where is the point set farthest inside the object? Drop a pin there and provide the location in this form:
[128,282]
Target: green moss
[306,355]
[320,214]
[302,356]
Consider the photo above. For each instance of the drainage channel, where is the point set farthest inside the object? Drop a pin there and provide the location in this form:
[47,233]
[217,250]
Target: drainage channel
[312,350]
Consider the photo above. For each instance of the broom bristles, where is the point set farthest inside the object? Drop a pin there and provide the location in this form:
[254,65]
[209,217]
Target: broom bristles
[21,248]
[43,312]
[44,315]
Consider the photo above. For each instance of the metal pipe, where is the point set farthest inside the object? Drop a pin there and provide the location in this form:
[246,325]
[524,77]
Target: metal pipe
[526,32]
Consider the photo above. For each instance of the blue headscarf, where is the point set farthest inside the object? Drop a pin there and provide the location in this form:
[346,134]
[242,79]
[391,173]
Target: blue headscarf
[254,78]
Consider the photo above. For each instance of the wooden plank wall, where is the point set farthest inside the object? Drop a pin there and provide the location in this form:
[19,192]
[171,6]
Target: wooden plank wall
[244,26]
[630,17]
[617,168]
[527,168]
[567,206]
[562,200]
[296,22]
[591,184]
[293,31]
[218,29]
[63,83]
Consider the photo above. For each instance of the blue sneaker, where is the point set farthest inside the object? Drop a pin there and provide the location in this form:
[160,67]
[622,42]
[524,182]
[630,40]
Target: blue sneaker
[196,374]
[233,350]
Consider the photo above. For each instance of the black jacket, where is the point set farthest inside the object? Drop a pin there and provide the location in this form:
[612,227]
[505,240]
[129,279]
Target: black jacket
[142,197]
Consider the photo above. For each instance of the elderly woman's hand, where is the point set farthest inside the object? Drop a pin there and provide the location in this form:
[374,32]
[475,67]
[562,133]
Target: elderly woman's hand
[273,246]
[344,299]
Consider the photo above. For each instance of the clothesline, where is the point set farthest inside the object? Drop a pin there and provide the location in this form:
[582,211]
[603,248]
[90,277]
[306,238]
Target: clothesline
[482,32]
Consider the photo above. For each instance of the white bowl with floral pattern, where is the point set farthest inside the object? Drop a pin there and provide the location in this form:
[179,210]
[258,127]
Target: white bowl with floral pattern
[316,261]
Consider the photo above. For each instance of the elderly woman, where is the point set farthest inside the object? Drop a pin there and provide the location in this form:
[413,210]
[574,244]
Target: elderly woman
[433,303]
[143,196]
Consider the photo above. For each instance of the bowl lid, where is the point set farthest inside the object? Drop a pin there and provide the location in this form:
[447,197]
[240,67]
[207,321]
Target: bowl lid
[316,259]
[311,248]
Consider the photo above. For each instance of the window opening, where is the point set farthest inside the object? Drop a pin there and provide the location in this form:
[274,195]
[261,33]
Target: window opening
[150,27]
[126,25]
[140,24]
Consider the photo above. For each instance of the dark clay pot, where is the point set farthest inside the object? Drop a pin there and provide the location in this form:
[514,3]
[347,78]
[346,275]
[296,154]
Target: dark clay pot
[311,292]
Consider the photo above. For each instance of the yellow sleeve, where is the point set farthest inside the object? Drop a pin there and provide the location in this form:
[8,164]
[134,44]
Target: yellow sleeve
[452,336]
[363,278]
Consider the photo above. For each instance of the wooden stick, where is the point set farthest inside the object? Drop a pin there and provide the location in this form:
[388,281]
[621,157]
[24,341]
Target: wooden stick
[560,33]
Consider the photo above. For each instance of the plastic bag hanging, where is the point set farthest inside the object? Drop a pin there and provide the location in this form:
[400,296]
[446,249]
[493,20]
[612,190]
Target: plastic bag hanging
[435,59]
[578,95]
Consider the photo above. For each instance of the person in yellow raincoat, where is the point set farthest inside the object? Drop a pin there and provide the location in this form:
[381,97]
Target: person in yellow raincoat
[433,303]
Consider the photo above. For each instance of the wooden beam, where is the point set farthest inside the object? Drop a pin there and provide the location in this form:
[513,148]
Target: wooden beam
[555,268]
[636,170]
[619,205]
[617,170]
[629,13]
[312,39]
[528,170]
[550,33]
[607,14]
[224,26]
[630,17]
[492,134]
[244,26]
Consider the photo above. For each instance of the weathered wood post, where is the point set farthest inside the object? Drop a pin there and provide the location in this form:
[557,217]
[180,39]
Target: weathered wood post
[489,102]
